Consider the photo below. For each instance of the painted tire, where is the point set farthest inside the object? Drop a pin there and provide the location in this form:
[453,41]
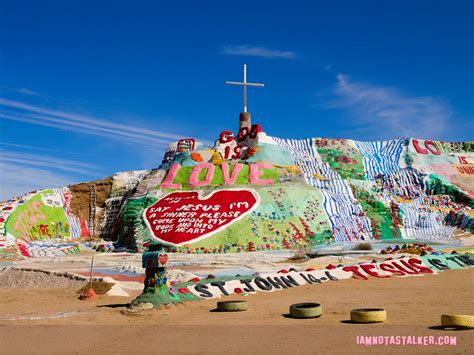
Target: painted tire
[457,321]
[232,306]
[368,315]
[306,310]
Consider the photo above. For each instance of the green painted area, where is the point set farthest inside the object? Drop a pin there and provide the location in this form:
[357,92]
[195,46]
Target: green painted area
[342,156]
[384,221]
[452,261]
[35,221]
[291,212]
[164,296]
[440,186]
[133,232]
[271,153]
[288,215]
[454,147]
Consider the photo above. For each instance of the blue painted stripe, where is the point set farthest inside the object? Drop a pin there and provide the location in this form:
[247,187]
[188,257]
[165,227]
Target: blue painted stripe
[343,211]
[381,157]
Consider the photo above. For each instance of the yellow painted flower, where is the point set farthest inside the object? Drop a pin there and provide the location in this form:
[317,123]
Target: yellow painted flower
[216,158]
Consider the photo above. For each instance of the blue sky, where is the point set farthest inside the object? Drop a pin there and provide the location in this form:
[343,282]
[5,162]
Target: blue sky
[91,88]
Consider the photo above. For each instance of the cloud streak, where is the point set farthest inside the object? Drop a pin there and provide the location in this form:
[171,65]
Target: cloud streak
[23,146]
[383,112]
[18,178]
[22,172]
[21,112]
[246,50]
[28,92]
[45,161]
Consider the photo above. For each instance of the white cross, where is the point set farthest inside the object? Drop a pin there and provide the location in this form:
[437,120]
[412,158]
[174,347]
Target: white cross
[244,84]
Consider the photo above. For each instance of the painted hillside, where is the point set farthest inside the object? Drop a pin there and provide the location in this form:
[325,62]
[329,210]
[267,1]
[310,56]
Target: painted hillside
[255,192]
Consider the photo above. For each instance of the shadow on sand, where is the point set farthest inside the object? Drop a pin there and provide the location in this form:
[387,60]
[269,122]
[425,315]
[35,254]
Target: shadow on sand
[114,305]
[442,327]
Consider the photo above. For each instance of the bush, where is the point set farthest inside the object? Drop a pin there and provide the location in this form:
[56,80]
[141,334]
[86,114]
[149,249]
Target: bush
[363,246]
[299,251]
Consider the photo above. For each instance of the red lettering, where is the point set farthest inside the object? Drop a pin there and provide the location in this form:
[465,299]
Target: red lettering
[468,170]
[256,129]
[400,267]
[418,264]
[186,145]
[390,268]
[417,147]
[243,134]
[432,147]
[238,151]
[355,271]
[227,152]
[462,160]
[226,137]
[44,230]
[368,269]
[429,145]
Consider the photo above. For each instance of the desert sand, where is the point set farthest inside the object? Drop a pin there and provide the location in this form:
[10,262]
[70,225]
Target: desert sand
[54,320]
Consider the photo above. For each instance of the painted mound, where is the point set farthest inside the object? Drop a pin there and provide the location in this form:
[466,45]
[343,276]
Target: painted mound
[255,192]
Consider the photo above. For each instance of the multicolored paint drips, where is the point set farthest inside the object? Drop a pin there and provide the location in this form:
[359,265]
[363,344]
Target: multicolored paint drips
[255,192]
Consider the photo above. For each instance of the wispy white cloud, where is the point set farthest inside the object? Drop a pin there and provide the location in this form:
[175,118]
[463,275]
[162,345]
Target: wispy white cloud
[26,91]
[21,91]
[246,50]
[21,172]
[24,146]
[22,112]
[83,128]
[382,112]
[46,161]
[16,179]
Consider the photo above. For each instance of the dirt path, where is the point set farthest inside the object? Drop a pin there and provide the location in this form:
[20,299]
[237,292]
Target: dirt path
[414,306]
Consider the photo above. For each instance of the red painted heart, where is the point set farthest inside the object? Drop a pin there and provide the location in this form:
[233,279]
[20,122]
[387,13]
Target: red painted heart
[163,259]
[184,217]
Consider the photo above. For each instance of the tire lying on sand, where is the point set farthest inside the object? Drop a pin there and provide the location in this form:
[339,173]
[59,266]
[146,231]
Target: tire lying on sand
[232,306]
[368,315]
[457,321]
[306,310]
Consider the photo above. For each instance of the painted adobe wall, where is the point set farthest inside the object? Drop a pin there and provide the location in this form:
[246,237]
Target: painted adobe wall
[254,192]
[52,222]
[30,221]
[309,191]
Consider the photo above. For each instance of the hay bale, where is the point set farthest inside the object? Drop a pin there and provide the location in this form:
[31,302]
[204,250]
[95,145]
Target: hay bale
[100,287]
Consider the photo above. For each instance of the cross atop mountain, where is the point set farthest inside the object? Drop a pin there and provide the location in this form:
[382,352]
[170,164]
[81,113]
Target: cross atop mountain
[244,116]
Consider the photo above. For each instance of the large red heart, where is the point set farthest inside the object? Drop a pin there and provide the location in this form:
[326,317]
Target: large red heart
[184,217]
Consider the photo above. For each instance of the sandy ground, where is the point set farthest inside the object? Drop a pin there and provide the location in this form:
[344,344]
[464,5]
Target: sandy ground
[54,320]
[11,278]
